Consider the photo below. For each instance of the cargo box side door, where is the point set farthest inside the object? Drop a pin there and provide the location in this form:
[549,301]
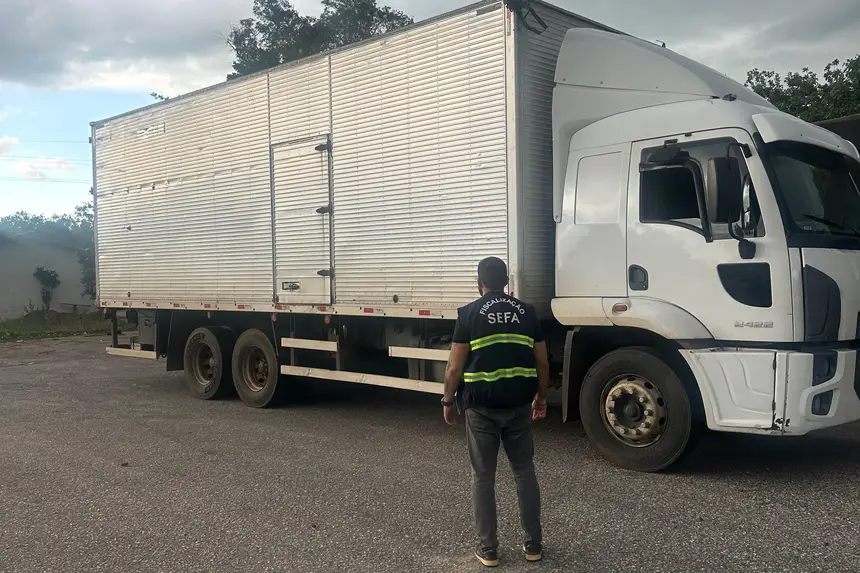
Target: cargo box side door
[302,221]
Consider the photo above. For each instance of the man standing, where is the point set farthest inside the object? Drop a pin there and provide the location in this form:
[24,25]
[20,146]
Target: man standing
[499,369]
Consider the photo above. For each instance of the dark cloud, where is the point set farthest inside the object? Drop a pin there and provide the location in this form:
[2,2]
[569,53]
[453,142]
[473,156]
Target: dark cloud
[810,23]
[42,41]
[62,42]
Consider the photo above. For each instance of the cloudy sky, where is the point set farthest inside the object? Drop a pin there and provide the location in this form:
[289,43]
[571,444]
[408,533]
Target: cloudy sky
[64,63]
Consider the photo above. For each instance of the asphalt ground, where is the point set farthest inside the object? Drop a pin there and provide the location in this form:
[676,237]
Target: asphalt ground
[108,464]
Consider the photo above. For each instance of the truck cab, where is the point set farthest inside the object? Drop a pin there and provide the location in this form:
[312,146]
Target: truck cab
[710,227]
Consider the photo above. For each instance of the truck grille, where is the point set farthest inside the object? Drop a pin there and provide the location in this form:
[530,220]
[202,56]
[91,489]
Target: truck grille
[857,358]
[857,372]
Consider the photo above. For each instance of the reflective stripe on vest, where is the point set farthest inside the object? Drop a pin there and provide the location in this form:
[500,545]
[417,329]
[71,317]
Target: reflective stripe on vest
[499,374]
[504,338]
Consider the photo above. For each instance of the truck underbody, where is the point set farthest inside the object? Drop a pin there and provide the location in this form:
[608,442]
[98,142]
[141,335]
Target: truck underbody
[264,357]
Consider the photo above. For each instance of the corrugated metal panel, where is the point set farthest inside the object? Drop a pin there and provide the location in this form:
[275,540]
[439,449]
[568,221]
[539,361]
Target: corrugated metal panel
[299,100]
[300,104]
[419,161]
[303,248]
[184,200]
[537,56]
[419,168]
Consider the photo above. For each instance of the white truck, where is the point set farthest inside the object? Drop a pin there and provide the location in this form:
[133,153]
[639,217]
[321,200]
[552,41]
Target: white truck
[694,252]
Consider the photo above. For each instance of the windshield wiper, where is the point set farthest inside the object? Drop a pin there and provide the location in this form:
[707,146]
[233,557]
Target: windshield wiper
[824,221]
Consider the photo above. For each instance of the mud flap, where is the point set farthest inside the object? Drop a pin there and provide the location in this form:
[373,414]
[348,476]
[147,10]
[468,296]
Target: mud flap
[565,374]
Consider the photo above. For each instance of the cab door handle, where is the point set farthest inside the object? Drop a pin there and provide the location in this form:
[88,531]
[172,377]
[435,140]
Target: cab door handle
[637,278]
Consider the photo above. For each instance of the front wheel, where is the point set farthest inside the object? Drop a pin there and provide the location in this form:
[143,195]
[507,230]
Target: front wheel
[636,411]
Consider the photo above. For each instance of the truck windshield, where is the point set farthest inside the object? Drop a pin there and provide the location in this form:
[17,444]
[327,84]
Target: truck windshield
[819,188]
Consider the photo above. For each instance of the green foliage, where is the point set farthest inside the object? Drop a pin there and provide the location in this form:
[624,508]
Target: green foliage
[804,95]
[48,324]
[158,96]
[73,231]
[348,21]
[277,33]
[49,279]
[85,232]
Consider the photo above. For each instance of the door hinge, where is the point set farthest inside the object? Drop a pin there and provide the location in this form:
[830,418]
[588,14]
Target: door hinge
[326,273]
[324,209]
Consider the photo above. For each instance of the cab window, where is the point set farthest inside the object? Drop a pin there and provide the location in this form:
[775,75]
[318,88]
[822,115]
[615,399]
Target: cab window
[669,195]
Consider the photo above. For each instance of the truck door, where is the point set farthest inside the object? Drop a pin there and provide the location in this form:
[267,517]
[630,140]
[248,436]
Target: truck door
[302,221]
[682,260]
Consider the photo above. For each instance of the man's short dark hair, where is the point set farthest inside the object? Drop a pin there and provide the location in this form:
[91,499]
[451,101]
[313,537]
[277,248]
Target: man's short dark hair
[493,273]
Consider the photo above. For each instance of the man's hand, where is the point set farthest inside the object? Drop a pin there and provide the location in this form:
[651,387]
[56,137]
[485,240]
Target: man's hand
[450,415]
[542,366]
[453,374]
[538,408]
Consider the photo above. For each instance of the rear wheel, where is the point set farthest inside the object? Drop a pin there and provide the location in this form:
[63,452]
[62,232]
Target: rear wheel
[636,411]
[207,362]
[255,370]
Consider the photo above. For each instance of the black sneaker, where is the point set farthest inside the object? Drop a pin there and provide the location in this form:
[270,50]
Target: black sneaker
[487,557]
[533,551]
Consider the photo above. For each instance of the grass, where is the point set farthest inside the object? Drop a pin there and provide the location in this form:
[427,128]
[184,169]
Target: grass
[49,324]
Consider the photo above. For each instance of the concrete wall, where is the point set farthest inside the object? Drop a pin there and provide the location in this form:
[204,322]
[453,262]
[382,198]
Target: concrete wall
[19,258]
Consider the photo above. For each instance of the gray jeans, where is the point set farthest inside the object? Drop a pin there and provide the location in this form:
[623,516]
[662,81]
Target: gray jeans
[485,429]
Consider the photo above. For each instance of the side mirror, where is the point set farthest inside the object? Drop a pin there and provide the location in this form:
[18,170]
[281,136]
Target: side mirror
[751,213]
[725,190]
[727,193]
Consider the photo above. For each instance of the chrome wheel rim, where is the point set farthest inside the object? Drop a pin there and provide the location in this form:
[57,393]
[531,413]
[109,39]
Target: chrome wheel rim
[634,410]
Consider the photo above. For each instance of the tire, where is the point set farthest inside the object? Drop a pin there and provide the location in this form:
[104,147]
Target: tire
[256,373]
[206,361]
[657,435]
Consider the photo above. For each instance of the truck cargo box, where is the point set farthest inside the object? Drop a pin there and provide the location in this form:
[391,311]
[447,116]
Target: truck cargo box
[368,179]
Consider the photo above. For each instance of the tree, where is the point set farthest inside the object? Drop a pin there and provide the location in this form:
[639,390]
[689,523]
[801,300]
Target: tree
[86,248]
[73,231]
[804,95]
[348,21]
[278,33]
[49,280]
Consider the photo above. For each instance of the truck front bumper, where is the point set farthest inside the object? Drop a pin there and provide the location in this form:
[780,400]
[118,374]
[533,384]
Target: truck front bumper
[822,389]
[776,392]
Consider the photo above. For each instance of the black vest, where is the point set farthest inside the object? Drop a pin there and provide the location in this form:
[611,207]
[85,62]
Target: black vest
[500,370]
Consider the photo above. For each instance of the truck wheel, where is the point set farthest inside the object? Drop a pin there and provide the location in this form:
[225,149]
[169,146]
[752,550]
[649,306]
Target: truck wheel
[255,369]
[636,411]
[207,362]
